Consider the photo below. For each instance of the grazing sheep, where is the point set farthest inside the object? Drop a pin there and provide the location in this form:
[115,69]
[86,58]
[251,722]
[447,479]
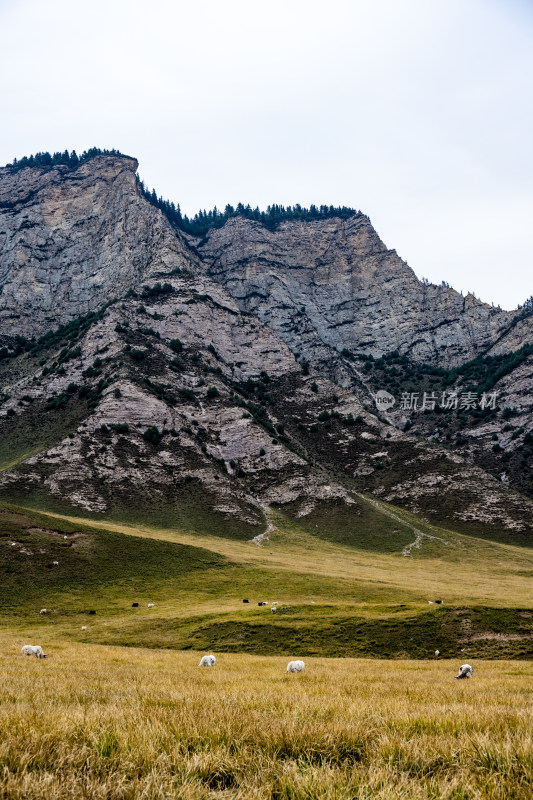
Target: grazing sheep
[465,671]
[43,611]
[263,603]
[273,609]
[55,563]
[295,666]
[438,602]
[275,603]
[84,627]
[437,653]
[245,601]
[135,605]
[150,605]
[207,661]
[33,650]
[92,611]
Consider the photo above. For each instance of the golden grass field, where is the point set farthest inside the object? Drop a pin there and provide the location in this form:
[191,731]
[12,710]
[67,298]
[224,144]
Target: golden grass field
[141,721]
[107,722]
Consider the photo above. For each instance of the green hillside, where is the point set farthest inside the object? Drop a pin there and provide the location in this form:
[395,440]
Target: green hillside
[338,594]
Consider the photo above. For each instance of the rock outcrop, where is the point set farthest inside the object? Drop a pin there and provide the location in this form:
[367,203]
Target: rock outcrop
[71,239]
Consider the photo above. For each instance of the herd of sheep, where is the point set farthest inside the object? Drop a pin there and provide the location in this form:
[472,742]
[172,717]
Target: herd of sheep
[465,670]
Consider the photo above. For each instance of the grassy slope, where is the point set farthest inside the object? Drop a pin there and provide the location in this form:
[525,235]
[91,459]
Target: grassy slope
[335,598]
[30,433]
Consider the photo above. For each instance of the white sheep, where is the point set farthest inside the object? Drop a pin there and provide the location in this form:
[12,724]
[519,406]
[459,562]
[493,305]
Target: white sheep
[33,650]
[84,627]
[273,609]
[465,671]
[150,605]
[437,653]
[43,611]
[55,563]
[207,661]
[295,666]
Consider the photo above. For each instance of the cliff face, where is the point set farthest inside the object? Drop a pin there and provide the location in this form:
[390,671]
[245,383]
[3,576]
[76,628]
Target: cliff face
[333,282]
[201,385]
[179,399]
[72,239]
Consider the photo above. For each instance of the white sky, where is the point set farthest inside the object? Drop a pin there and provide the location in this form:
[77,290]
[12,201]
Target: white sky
[417,112]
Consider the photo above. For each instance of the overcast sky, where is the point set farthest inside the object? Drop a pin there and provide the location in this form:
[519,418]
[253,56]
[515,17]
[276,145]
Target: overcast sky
[417,112]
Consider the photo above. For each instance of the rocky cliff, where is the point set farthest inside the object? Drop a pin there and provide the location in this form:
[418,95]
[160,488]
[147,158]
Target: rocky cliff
[231,372]
[71,239]
[334,283]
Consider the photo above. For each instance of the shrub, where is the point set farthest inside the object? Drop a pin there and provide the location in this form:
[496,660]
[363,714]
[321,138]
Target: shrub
[152,435]
[55,403]
[157,290]
[120,427]
[176,345]
[213,392]
[188,394]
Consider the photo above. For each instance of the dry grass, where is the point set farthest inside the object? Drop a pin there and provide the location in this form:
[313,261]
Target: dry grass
[107,722]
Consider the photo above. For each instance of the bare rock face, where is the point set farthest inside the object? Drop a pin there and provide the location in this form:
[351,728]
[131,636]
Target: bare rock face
[72,239]
[334,283]
[194,394]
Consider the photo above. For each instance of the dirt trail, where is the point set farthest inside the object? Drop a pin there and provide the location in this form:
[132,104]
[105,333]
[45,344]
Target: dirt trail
[419,535]
[263,538]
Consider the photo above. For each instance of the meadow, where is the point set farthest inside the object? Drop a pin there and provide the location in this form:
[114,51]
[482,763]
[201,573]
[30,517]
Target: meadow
[118,723]
[121,710]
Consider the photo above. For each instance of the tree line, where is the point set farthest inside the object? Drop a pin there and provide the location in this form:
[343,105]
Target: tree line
[71,160]
[203,221]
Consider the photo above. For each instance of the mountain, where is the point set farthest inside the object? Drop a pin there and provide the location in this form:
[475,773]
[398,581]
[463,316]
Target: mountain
[147,372]
[333,284]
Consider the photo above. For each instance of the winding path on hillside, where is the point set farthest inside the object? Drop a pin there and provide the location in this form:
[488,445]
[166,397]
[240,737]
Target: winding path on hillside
[419,535]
